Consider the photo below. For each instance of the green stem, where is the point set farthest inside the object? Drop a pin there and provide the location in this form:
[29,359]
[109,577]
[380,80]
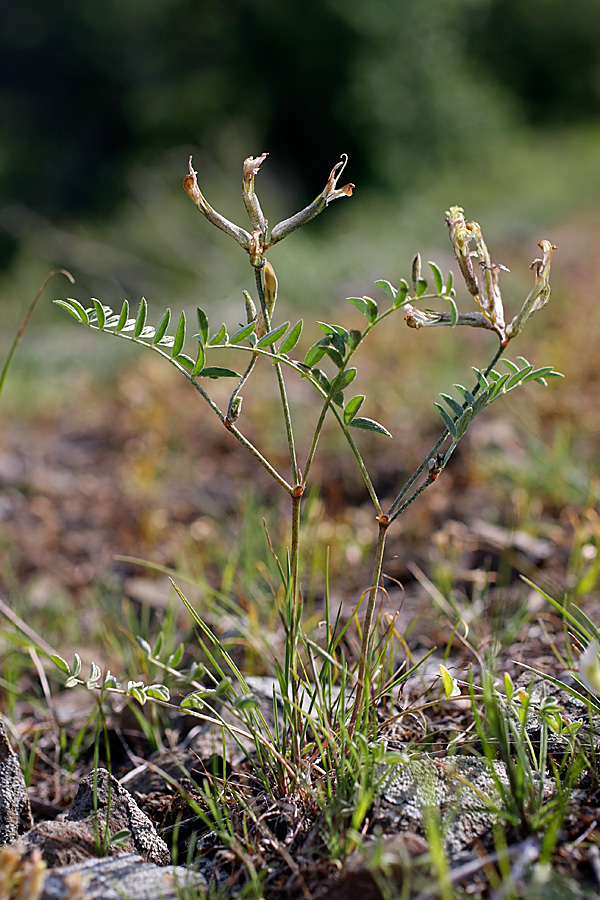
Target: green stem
[288,423]
[315,440]
[258,455]
[236,432]
[360,464]
[287,416]
[295,551]
[294,619]
[231,415]
[368,626]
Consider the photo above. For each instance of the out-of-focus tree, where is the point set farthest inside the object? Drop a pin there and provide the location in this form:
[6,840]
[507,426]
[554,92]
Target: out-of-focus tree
[87,88]
[546,52]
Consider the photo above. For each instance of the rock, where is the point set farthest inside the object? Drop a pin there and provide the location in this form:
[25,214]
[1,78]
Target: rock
[15,812]
[101,808]
[122,876]
[451,790]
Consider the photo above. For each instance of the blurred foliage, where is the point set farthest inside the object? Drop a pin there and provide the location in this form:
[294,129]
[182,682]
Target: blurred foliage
[87,88]
[545,52]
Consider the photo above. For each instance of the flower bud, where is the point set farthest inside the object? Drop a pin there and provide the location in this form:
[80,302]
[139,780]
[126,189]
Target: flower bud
[250,307]
[270,287]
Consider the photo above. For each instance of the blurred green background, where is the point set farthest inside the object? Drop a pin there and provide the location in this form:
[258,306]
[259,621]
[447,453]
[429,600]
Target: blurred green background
[492,104]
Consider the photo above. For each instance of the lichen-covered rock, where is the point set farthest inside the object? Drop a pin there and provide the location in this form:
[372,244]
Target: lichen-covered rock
[453,791]
[15,813]
[101,808]
[122,876]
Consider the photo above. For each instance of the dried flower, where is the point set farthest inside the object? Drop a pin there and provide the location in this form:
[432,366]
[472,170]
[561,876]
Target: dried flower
[190,186]
[540,292]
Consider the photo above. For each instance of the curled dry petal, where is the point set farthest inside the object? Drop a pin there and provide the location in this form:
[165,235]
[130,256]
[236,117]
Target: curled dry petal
[461,234]
[332,192]
[252,164]
[540,292]
[417,318]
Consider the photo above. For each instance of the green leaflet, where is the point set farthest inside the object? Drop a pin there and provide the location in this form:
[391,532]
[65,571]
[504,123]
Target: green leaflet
[244,332]
[141,318]
[369,425]
[123,318]
[164,324]
[292,338]
[272,336]
[218,372]
[438,278]
[179,337]
[352,407]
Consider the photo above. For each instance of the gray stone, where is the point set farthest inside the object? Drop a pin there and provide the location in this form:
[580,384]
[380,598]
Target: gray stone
[122,876]
[453,791]
[100,802]
[15,813]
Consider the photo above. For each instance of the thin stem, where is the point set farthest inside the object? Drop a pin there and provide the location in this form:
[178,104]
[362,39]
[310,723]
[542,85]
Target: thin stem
[26,319]
[368,626]
[315,440]
[395,509]
[258,455]
[295,550]
[237,433]
[363,468]
[411,499]
[288,423]
[356,452]
[287,416]
[294,619]
[231,411]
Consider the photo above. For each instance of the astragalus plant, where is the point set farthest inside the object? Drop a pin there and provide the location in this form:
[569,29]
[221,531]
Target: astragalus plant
[328,365]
